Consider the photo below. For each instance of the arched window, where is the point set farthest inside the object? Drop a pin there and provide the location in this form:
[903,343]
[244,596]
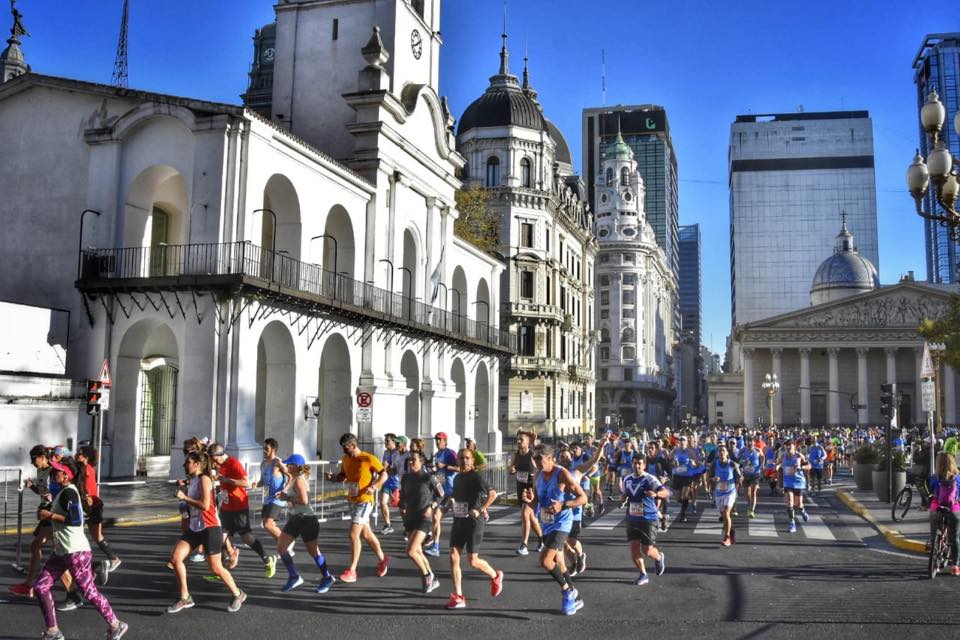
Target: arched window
[624,176]
[493,172]
[609,176]
[604,335]
[417,6]
[525,173]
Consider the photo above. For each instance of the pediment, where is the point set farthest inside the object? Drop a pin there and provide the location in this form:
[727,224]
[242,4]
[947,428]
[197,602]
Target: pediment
[900,306]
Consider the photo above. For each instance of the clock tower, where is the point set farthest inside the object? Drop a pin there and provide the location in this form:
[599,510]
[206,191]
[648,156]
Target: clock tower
[259,94]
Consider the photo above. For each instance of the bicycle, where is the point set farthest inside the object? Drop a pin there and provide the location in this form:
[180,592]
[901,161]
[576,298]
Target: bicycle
[939,545]
[904,499]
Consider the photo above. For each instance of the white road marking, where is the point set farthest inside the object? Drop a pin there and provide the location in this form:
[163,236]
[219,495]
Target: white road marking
[709,525]
[816,528]
[512,518]
[762,526]
[609,520]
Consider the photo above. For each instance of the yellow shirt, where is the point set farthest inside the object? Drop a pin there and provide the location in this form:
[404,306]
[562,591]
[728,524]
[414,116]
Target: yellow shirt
[359,474]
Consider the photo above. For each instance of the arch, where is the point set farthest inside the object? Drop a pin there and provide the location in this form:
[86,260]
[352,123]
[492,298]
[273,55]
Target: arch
[484,314]
[628,335]
[156,202]
[129,122]
[410,370]
[459,297]
[624,177]
[493,172]
[459,378]
[276,404]
[409,273]
[609,176]
[410,96]
[283,232]
[335,393]
[338,247]
[604,334]
[525,175]
[481,403]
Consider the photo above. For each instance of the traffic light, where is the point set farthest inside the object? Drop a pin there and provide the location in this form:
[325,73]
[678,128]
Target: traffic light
[888,395]
[93,397]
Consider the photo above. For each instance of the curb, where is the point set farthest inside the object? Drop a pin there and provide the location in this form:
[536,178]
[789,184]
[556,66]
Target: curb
[894,538]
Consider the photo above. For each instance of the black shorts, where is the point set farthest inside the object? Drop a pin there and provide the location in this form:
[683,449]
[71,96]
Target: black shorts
[236,522]
[750,482]
[417,522]
[466,533]
[94,513]
[575,530]
[555,540]
[211,538]
[645,531]
[271,511]
[679,482]
[307,528]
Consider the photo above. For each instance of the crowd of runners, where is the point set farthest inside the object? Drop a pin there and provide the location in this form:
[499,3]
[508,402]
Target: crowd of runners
[652,476]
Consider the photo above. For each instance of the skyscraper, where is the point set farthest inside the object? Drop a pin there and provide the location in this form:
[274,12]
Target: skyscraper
[937,66]
[792,177]
[689,281]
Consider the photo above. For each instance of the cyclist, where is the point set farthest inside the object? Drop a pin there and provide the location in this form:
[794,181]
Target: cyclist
[945,488]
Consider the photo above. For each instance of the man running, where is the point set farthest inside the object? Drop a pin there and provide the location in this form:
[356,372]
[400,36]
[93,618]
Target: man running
[445,465]
[685,473]
[392,484]
[557,493]
[750,469]
[273,478]
[725,476]
[356,471]
[791,469]
[818,458]
[524,469]
[471,496]
[420,493]
[642,491]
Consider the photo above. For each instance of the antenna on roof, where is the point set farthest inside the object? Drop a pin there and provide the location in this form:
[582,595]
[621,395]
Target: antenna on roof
[603,78]
[119,78]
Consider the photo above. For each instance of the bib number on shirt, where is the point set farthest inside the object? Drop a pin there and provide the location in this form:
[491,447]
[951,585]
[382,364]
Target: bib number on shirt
[723,486]
[636,509]
[789,471]
[461,510]
[523,477]
[546,517]
[681,469]
[353,489]
[750,469]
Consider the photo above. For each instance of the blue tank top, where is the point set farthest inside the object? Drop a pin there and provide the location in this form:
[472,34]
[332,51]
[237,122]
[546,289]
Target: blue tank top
[681,465]
[793,477]
[770,457]
[548,492]
[626,463]
[724,475]
[750,463]
[273,483]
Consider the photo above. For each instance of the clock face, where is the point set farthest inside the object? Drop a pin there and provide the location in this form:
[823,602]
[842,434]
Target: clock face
[416,44]
[268,54]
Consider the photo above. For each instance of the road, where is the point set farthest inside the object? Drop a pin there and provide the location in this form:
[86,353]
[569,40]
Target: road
[833,578]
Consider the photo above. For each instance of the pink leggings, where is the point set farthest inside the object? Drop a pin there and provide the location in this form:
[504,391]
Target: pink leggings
[78,564]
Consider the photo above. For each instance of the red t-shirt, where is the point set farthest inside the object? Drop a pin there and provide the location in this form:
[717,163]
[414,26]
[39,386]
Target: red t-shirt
[90,484]
[237,496]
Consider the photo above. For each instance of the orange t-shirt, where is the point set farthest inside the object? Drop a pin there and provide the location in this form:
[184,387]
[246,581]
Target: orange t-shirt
[359,474]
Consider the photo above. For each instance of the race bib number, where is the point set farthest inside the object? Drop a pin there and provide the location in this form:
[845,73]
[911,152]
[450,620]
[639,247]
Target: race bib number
[546,517]
[749,469]
[624,472]
[636,509]
[789,471]
[461,510]
[723,486]
[523,477]
[680,470]
[353,489]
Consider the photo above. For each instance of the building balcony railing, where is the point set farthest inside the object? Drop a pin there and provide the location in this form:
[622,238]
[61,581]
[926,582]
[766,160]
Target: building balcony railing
[537,363]
[242,266]
[646,381]
[536,310]
[579,372]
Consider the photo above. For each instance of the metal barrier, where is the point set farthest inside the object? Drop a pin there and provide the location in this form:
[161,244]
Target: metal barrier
[496,471]
[7,473]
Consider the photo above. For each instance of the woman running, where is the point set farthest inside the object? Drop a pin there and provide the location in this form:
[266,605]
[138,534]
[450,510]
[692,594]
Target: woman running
[301,522]
[71,553]
[791,468]
[420,494]
[203,528]
[524,469]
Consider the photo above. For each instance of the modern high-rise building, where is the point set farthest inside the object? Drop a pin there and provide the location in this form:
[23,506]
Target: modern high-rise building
[793,177]
[937,67]
[689,281]
[646,131]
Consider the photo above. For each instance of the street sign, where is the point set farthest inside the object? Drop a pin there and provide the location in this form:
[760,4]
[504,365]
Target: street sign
[364,414]
[929,393]
[364,400]
[104,377]
[926,365]
[606,419]
[104,398]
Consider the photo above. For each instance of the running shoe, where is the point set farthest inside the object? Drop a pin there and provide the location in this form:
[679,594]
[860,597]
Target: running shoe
[52,635]
[237,601]
[456,602]
[540,545]
[430,583]
[433,550]
[726,542]
[212,577]
[115,564]
[102,572]
[751,514]
[387,530]
[291,552]
[325,583]
[955,570]
[571,602]
[348,575]
[522,550]
[270,566]
[661,564]
[735,513]
[115,633]
[197,557]
[234,559]
[642,580]
[180,605]
[70,604]
[22,589]
[694,507]
[496,584]
[792,528]
[292,583]
[804,515]
[581,563]
[384,564]
[663,524]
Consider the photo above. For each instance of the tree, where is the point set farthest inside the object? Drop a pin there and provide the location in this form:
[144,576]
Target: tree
[945,330]
[477,224]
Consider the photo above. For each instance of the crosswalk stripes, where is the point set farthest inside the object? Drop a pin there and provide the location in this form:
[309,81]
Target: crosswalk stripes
[709,525]
[816,529]
[762,526]
[608,521]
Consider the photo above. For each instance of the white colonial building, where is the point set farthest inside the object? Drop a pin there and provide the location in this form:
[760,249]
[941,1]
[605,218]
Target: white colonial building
[637,295]
[522,160]
[248,275]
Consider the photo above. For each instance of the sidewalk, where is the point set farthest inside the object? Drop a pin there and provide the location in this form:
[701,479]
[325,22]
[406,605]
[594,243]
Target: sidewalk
[911,534]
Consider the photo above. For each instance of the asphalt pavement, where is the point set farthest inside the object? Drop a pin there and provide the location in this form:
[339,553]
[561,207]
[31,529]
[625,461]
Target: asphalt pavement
[835,577]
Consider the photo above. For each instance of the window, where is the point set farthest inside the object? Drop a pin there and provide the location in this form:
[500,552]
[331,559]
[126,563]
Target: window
[628,335]
[604,258]
[548,405]
[526,234]
[604,335]
[604,281]
[609,176]
[604,297]
[603,373]
[493,171]
[624,176]
[604,314]
[526,284]
[627,371]
[629,231]
[604,353]
[417,6]
[719,403]
[336,28]
[526,340]
[549,298]
[628,258]
[630,278]
[628,297]
[629,313]
[525,173]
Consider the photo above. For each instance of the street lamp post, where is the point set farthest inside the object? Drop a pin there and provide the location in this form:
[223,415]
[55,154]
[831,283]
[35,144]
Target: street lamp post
[771,385]
[409,296]
[273,236]
[940,168]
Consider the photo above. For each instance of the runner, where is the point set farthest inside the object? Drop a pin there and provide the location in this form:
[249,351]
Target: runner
[402,460]
[817,456]
[580,467]
[356,471]
[624,464]
[235,511]
[301,522]
[685,474]
[203,529]
[642,491]
[444,465]
[725,477]
[771,456]
[750,469]
[273,478]
[40,459]
[420,494]
[610,449]
[791,468]
[658,465]
[390,495]
[554,485]
[71,553]
[594,507]
[524,469]
[86,461]
[471,496]
[479,460]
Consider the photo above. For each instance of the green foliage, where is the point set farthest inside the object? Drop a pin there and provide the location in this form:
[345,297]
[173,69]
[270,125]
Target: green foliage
[867,454]
[899,461]
[945,330]
[477,224]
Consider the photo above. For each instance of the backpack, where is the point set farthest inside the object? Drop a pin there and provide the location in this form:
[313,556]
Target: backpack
[947,493]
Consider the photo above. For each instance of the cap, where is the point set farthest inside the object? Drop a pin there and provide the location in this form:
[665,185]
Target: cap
[402,439]
[440,434]
[61,450]
[62,467]
[296,459]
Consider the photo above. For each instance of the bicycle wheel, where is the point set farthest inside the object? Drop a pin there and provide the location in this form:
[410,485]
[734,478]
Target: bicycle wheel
[901,504]
[933,564]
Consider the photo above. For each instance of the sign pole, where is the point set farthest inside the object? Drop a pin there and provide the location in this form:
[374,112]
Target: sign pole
[98,423]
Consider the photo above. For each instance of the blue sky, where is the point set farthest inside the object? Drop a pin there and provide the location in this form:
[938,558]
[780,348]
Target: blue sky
[705,62]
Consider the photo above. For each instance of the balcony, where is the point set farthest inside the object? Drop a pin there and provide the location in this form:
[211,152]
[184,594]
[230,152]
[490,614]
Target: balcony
[536,310]
[244,269]
[537,364]
[580,373]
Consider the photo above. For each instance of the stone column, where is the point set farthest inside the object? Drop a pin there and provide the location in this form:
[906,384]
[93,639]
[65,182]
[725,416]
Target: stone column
[891,353]
[949,396]
[863,412]
[777,357]
[833,391]
[749,418]
[918,417]
[804,385]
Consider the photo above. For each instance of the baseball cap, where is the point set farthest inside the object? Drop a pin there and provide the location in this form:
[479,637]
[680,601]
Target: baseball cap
[296,459]
[61,450]
[402,439]
[62,467]
[440,434]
